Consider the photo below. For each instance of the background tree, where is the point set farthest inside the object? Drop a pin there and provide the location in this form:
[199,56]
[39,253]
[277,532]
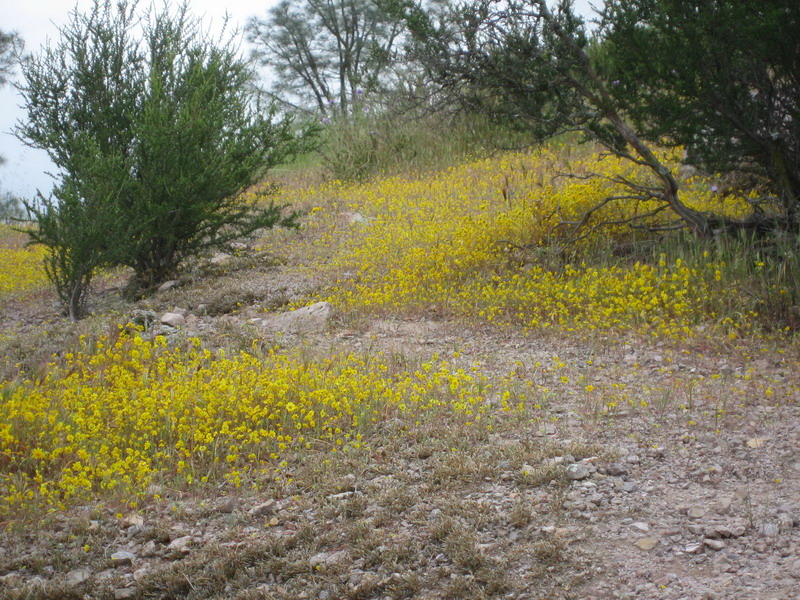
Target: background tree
[155,136]
[10,48]
[526,64]
[324,51]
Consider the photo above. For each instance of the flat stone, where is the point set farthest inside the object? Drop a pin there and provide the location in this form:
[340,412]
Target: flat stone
[123,558]
[696,512]
[180,545]
[714,544]
[647,543]
[122,593]
[264,509]
[168,285]
[172,319]
[309,319]
[641,526]
[578,471]
[77,576]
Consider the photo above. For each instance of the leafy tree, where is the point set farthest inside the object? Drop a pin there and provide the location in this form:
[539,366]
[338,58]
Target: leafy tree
[660,70]
[724,82]
[156,136]
[324,51]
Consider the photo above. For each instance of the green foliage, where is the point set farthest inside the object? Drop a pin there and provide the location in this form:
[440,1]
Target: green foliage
[720,78]
[155,138]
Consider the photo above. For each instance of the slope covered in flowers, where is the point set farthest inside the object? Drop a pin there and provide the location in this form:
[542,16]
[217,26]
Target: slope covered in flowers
[485,240]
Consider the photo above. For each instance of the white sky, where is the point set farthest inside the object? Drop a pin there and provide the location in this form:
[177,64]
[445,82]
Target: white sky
[37,21]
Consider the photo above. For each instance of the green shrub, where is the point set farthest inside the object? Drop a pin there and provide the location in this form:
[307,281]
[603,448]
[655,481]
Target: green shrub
[156,137]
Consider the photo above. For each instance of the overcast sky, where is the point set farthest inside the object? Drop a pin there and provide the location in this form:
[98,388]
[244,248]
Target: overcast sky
[37,21]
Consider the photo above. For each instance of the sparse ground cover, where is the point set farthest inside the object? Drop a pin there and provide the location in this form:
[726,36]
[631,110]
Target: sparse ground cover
[489,414]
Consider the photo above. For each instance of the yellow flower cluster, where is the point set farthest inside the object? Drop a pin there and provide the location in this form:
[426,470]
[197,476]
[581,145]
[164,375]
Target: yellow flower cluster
[482,239]
[22,270]
[124,413]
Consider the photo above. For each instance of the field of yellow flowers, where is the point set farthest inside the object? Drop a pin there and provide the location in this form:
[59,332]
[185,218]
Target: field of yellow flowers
[119,413]
[485,240]
[481,241]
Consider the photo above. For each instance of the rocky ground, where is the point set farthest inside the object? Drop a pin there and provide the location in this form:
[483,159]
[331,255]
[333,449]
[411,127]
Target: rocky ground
[684,487]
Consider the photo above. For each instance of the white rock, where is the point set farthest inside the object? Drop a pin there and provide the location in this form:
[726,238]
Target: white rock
[327,559]
[577,471]
[172,319]
[308,319]
[168,285]
[122,558]
[77,576]
[180,544]
[132,521]
[264,509]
